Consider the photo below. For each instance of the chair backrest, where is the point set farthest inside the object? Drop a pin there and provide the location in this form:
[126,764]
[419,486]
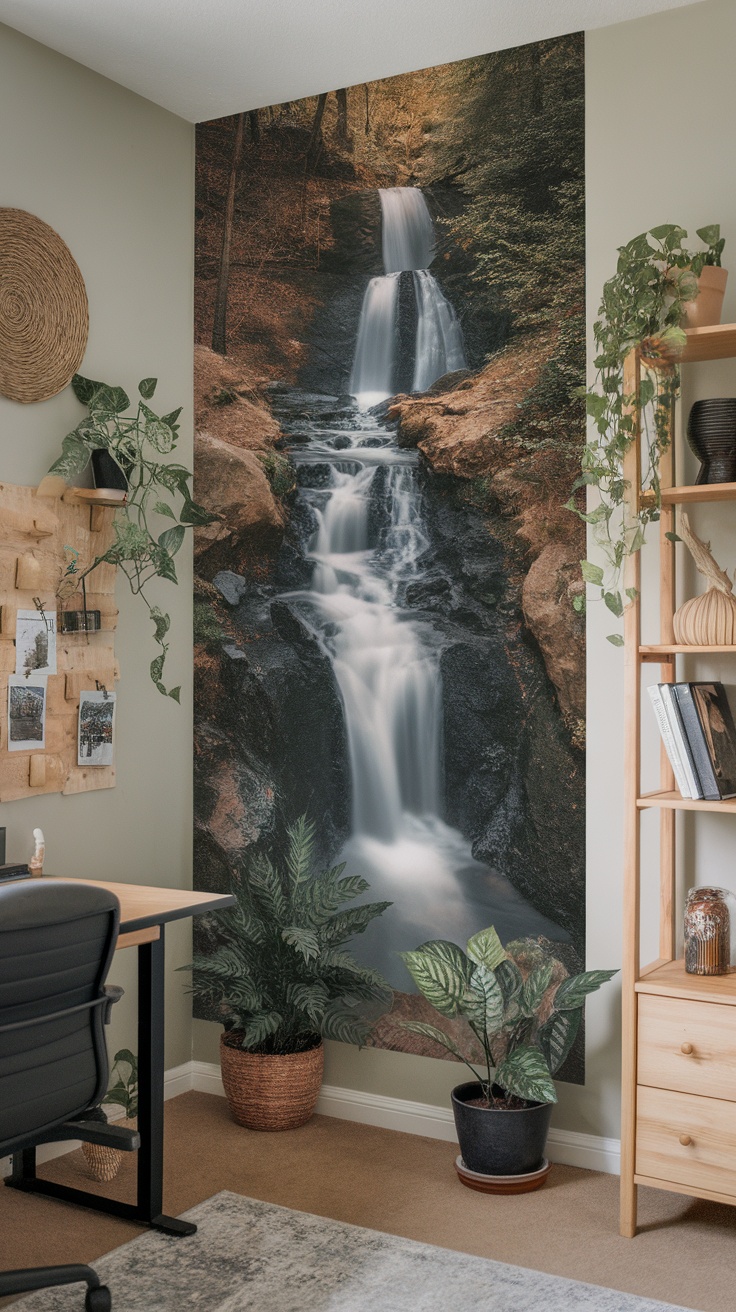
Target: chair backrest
[57,939]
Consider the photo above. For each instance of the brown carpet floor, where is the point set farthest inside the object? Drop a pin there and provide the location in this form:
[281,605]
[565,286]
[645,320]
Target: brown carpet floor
[404,1185]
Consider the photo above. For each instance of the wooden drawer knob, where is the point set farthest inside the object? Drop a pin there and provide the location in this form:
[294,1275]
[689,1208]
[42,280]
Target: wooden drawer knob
[687,1048]
[685,1140]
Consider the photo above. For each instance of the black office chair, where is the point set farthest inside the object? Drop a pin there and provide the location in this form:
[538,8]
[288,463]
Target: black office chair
[57,939]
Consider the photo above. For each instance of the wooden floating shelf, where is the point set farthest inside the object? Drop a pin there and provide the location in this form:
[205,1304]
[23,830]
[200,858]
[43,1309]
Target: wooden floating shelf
[668,977]
[684,496]
[672,801]
[97,496]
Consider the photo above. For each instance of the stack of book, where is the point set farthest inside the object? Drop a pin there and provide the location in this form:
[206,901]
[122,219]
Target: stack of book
[698,732]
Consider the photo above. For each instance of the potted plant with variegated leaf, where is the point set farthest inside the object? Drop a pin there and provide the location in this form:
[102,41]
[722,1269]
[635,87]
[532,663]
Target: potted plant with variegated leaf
[104,1162]
[525,1010]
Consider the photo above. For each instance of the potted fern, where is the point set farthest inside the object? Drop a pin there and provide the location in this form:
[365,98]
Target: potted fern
[282,979]
[525,1011]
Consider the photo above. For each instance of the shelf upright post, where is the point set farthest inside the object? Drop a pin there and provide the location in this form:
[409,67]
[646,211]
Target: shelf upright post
[632,732]
[667,603]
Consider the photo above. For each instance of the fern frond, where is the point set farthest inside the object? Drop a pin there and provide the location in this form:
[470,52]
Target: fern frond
[300,853]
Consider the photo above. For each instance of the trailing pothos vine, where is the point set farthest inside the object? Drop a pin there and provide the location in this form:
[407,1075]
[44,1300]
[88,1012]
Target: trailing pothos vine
[156,488]
[642,306]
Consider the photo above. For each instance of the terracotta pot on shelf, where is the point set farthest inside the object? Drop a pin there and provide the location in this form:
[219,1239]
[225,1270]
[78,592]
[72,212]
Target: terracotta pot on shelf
[270,1092]
[705,310]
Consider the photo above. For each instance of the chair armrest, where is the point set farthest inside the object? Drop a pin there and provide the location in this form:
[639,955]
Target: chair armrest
[113,993]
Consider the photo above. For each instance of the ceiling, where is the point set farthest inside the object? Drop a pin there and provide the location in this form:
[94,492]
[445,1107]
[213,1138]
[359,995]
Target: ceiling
[207,58]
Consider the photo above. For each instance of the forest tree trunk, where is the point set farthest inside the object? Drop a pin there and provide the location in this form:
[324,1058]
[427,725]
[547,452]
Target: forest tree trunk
[315,141]
[343,134]
[219,324]
[255,127]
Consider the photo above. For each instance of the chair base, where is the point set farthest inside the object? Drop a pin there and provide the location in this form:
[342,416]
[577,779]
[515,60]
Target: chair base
[23,1281]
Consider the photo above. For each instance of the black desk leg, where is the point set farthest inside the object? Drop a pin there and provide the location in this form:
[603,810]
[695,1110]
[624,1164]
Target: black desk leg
[151,1090]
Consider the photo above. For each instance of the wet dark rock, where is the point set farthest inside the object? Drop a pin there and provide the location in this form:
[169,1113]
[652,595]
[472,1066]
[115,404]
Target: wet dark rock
[427,590]
[341,443]
[231,587]
[449,382]
[313,475]
[355,221]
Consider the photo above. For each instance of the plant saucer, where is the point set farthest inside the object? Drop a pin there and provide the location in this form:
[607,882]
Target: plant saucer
[502,1184]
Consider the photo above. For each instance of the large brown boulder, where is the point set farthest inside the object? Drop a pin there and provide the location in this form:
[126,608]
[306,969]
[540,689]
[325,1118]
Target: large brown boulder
[547,603]
[232,484]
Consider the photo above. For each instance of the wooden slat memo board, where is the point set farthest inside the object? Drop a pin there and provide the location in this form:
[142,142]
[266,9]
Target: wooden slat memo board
[33,534]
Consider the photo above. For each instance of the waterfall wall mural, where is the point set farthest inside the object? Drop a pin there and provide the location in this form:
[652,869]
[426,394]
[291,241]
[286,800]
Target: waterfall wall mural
[390,332]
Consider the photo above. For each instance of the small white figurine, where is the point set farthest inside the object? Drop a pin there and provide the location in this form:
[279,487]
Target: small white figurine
[35,865]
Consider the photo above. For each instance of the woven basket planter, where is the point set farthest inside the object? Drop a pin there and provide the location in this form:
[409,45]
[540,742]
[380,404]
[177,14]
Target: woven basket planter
[104,1163]
[274,1092]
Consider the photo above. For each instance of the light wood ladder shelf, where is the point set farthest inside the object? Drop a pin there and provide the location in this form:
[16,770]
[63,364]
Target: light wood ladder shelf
[656,1147]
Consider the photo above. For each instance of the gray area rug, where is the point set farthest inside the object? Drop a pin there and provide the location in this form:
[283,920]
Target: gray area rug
[249,1256]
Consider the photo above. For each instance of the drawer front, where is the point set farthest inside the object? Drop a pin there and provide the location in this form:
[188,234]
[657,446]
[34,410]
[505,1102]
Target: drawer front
[707,1157]
[688,1046]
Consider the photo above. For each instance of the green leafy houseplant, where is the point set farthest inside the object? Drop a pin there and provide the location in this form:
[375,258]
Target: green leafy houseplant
[156,488]
[282,977]
[525,1024]
[642,306]
[123,1088]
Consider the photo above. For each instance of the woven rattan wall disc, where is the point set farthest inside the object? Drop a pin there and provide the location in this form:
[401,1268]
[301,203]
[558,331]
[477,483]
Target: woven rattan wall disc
[44,316]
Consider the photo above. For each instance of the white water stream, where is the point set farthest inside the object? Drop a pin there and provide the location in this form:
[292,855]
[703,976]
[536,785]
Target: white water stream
[408,245]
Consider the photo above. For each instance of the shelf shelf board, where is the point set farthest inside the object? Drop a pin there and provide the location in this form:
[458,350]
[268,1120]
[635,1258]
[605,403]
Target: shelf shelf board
[682,649]
[672,801]
[671,979]
[716,342]
[684,496]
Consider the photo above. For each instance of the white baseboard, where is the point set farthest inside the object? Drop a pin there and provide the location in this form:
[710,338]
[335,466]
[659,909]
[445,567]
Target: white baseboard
[568,1147]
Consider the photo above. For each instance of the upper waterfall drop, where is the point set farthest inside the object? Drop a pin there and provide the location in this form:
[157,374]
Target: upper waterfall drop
[407,230]
[408,243]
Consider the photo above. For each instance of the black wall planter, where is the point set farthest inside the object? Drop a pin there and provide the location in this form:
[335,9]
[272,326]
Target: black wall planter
[107,472]
[496,1142]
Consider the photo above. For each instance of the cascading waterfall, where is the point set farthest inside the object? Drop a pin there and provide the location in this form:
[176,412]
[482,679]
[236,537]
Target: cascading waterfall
[408,244]
[369,544]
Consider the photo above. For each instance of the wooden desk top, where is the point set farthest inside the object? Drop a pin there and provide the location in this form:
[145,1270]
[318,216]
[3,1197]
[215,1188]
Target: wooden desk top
[144,908]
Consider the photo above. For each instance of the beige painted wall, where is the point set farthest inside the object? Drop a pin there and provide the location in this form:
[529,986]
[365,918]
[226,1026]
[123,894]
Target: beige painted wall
[661,114]
[113,174]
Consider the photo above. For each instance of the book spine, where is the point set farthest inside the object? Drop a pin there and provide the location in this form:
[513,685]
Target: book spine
[668,739]
[696,739]
[681,739]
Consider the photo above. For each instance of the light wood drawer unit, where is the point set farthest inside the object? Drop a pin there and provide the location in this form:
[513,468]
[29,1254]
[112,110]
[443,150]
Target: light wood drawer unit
[687,1140]
[688,1046]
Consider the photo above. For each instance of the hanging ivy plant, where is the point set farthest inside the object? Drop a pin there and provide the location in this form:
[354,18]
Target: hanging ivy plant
[155,488]
[642,306]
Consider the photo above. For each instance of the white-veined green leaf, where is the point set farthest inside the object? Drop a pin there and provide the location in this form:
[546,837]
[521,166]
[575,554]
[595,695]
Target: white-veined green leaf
[525,1073]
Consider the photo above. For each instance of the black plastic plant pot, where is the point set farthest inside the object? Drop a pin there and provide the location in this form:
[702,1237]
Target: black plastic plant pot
[106,471]
[498,1142]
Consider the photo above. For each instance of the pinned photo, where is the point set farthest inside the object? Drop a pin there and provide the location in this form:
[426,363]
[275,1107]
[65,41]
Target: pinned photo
[35,642]
[26,713]
[96,728]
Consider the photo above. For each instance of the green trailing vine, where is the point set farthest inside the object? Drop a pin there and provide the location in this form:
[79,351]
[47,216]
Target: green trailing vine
[642,306]
[157,489]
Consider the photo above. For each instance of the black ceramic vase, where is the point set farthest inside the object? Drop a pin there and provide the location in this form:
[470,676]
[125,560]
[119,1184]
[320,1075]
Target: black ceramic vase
[711,432]
[497,1142]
